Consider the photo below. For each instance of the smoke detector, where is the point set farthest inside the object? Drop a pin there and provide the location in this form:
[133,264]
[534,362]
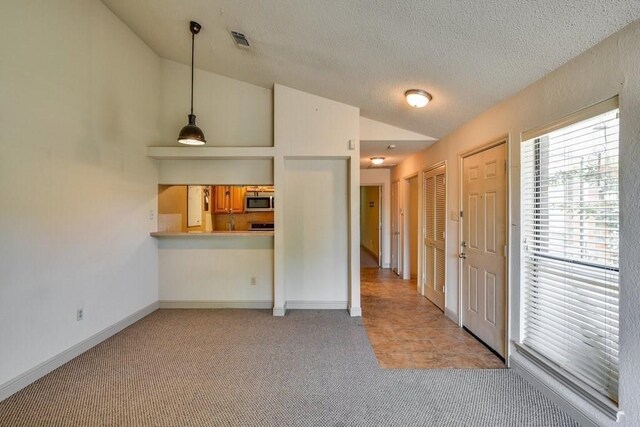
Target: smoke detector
[240,39]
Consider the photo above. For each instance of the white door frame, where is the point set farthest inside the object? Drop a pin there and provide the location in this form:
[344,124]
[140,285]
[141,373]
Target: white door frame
[395,215]
[461,156]
[423,232]
[406,240]
[381,219]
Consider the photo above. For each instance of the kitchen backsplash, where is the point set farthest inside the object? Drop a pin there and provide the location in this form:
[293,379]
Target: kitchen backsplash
[241,221]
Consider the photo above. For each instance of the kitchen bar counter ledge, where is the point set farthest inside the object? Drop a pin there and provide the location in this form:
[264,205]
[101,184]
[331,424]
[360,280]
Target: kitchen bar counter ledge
[168,234]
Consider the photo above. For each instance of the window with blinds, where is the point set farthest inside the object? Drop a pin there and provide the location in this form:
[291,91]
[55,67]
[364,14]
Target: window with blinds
[570,233]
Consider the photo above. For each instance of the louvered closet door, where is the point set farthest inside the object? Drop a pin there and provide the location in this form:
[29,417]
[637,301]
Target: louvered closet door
[484,206]
[434,232]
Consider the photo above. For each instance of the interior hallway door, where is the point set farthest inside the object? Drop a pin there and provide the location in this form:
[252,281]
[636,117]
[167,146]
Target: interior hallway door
[435,196]
[484,210]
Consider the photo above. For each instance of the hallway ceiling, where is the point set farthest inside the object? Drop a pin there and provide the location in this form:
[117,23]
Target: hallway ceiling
[392,157]
[468,54]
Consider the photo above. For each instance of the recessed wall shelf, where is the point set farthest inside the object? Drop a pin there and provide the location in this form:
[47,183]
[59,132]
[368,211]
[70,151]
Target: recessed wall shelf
[210,153]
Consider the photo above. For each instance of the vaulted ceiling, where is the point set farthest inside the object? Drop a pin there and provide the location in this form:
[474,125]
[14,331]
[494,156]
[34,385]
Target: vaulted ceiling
[469,54]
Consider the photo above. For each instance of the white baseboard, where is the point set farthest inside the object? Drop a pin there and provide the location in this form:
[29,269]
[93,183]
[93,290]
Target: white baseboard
[317,305]
[355,311]
[575,406]
[217,304]
[39,371]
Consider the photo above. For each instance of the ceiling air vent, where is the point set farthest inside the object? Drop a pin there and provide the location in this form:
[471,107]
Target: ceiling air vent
[240,39]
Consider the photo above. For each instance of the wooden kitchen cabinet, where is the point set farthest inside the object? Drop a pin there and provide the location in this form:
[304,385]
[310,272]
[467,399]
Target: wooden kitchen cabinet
[228,199]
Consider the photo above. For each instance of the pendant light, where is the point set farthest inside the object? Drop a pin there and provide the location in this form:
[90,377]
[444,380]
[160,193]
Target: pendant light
[192,134]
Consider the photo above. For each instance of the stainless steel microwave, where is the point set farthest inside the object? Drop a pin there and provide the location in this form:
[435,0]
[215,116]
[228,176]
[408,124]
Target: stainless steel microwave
[258,202]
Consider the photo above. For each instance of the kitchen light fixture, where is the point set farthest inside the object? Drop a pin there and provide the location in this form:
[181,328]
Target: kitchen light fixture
[192,134]
[417,98]
[377,160]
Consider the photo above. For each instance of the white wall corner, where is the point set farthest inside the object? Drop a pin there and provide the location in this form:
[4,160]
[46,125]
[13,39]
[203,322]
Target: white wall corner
[39,371]
[279,311]
[355,311]
[451,315]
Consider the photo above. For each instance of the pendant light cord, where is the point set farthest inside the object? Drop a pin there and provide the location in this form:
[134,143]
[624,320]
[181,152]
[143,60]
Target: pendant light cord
[193,41]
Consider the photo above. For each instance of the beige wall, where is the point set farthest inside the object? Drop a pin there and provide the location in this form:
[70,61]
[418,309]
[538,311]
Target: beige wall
[316,244]
[370,219]
[229,112]
[217,172]
[232,271]
[608,69]
[78,196]
[172,200]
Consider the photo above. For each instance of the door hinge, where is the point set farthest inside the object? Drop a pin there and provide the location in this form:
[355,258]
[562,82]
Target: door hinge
[461,214]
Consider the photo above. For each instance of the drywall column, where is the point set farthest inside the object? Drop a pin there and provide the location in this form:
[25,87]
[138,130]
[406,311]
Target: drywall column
[308,127]
[279,307]
[355,308]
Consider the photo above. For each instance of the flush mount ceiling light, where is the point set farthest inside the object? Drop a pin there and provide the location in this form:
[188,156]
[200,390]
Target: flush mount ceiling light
[377,160]
[392,147]
[417,98]
[192,134]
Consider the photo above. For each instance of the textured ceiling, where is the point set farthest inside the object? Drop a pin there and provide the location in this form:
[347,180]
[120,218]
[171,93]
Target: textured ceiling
[404,149]
[469,54]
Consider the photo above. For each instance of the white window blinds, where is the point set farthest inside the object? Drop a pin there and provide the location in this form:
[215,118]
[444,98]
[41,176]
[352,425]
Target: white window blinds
[570,214]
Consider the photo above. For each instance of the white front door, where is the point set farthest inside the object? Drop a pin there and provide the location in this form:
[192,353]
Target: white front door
[435,196]
[484,216]
[395,230]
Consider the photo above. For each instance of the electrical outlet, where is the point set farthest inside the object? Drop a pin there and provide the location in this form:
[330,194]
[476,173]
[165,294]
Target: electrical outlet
[79,314]
[253,281]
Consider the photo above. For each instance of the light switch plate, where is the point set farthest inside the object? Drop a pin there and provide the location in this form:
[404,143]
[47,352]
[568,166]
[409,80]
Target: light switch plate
[352,144]
[455,216]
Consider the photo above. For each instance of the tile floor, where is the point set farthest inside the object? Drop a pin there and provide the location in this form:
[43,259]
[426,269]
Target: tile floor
[406,330]
[367,260]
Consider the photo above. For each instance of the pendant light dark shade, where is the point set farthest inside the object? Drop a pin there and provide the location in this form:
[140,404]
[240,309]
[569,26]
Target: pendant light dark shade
[192,134]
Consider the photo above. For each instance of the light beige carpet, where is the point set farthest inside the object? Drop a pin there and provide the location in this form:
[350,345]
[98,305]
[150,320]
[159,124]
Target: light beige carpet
[248,368]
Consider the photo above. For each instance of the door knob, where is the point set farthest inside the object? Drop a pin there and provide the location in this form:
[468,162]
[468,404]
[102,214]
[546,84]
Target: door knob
[462,256]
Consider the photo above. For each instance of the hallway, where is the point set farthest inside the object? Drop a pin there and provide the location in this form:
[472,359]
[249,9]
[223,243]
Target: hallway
[407,331]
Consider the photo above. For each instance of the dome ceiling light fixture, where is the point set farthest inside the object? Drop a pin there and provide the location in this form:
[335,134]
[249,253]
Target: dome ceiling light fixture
[377,160]
[192,134]
[418,98]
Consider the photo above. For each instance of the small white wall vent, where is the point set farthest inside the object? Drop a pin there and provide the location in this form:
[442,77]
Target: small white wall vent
[240,39]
